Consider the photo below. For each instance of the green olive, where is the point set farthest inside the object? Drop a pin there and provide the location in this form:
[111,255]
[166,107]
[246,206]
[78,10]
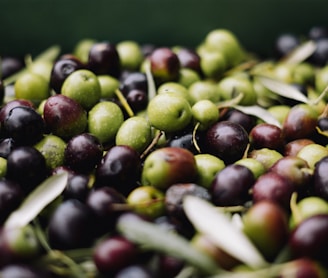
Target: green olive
[130,54]
[108,86]
[147,201]
[187,77]
[205,112]
[203,89]
[104,120]
[135,132]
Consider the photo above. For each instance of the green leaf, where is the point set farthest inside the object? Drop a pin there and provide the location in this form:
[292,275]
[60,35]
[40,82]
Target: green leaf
[282,89]
[37,200]
[150,80]
[208,220]
[152,237]
[260,113]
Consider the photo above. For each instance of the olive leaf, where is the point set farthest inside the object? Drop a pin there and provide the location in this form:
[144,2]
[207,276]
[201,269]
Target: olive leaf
[208,220]
[259,112]
[282,88]
[37,200]
[152,237]
[301,53]
[150,80]
[49,54]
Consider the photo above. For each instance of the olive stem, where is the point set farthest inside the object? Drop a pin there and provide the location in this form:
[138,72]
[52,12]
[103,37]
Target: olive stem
[194,137]
[293,206]
[125,104]
[152,144]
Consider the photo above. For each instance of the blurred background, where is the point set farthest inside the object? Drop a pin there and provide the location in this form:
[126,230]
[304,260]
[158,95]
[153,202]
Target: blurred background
[30,26]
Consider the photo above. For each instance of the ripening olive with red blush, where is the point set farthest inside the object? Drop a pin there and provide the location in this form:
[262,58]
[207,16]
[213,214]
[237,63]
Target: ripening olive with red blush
[114,253]
[266,135]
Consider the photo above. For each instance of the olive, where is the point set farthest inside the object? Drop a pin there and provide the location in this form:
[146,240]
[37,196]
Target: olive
[26,166]
[24,125]
[71,226]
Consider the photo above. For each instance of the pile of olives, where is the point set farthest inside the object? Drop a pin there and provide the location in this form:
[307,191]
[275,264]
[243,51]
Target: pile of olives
[101,147]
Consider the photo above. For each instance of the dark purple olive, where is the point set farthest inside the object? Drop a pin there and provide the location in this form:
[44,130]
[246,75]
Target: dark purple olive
[184,140]
[11,196]
[83,152]
[189,58]
[20,270]
[120,168]
[24,125]
[4,111]
[102,202]
[285,43]
[77,187]
[309,239]
[26,166]
[238,117]
[174,203]
[6,146]
[265,135]
[231,186]
[113,254]
[10,65]
[71,226]
[104,59]
[134,80]
[321,178]
[62,68]
[134,271]
[226,140]
[318,32]
[137,99]
[320,55]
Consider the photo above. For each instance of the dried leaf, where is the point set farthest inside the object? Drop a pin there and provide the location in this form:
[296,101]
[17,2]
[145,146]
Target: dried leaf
[37,200]
[207,219]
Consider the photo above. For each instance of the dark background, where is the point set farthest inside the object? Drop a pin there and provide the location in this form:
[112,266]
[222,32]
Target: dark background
[30,26]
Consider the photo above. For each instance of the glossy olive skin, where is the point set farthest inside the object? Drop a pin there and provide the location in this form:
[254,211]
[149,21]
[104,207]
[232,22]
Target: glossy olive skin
[77,187]
[83,152]
[321,179]
[120,168]
[6,146]
[134,80]
[62,68]
[266,224]
[5,109]
[165,65]
[10,65]
[64,116]
[266,135]
[189,58]
[102,202]
[11,196]
[112,254]
[27,166]
[238,117]
[227,140]
[24,125]
[273,187]
[309,238]
[104,59]
[231,186]
[71,226]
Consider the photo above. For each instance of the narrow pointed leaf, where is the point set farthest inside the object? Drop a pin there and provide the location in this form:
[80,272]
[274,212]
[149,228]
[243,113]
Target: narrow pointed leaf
[150,81]
[37,200]
[207,219]
[301,53]
[151,236]
[260,113]
[282,89]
